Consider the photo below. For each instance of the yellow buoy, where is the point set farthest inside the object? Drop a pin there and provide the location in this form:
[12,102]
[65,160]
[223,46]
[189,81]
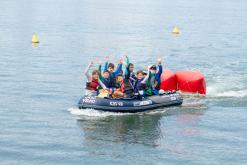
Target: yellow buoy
[175,30]
[35,39]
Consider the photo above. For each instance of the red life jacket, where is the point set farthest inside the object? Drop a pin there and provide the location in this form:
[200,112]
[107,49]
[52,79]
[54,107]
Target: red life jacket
[122,87]
[93,85]
[126,87]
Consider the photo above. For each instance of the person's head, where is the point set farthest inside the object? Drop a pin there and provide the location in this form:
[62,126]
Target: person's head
[106,74]
[111,67]
[131,67]
[140,74]
[95,74]
[120,78]
[153,69]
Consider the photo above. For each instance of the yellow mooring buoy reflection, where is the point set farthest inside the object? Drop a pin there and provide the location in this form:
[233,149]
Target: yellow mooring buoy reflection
[35,39]
[176,30]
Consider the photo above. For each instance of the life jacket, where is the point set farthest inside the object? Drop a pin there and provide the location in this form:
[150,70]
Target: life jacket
[133,78]
[112,82]
[93,85]
[106,82]
[126,87]
[139,85]
[157,78]
[155,82]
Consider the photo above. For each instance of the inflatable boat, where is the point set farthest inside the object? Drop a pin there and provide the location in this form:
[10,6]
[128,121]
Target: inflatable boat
[131,105]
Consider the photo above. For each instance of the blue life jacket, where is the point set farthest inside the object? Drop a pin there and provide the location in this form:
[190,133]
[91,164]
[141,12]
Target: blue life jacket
[106,82]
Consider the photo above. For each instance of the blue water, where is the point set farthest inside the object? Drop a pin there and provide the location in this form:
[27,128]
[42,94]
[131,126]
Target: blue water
[41,84]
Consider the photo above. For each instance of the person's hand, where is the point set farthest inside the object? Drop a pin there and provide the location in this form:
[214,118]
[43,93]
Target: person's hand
[155,85]
[148,68]
[159,61]
[100,62]
[91,63]
[107,58]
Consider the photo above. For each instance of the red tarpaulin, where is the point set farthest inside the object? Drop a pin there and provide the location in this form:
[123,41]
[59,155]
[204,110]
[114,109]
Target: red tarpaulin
[168,81]
[185,81]
[191,81]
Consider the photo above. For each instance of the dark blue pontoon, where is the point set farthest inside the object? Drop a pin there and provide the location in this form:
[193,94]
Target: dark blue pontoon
[131,105]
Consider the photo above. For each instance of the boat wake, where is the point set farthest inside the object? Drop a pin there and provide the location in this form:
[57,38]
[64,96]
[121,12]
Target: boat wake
[214,92]
[93,113]
[194,103]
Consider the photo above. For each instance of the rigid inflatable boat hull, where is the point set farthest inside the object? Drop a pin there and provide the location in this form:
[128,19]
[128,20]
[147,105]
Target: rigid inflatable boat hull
[130,105]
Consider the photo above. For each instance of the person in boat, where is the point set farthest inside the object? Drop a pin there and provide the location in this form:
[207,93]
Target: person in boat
[125,88]
[140,83]
[130,67]
[154,78]
[105,77]
[113,74]
[93,81]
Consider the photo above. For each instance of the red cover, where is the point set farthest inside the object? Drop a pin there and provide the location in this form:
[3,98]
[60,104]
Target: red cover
[168,81]
[191,81]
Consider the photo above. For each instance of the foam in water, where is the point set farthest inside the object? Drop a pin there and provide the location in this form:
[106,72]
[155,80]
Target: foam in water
[194,103]
[93,113]
[214,92]
[240,93]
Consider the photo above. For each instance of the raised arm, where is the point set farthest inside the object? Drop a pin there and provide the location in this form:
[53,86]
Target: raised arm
[119,67]
[106,63]
[86,72]
[100,74]
[102,84]
[127,73]
[158,75]
[145,80]
[159,66]
[127,61]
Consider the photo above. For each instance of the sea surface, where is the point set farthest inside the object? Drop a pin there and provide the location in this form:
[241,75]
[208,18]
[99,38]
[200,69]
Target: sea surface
[40,84]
